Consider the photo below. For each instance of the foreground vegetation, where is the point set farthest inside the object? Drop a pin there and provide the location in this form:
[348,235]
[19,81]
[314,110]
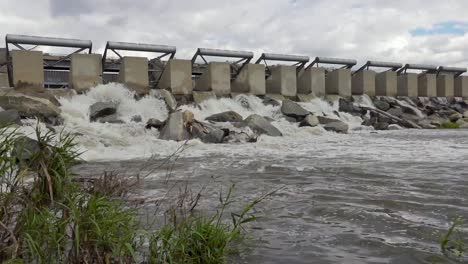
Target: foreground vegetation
[46,216]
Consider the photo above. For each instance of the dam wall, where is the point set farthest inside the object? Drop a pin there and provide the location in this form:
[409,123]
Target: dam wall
[222,77]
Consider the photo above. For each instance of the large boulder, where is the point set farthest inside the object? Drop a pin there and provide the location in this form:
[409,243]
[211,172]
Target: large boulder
[347,106]
[270,101]
[154,123]
[260,125]
[382,105]
[326,120]
[462,123]
[310,121]
[395,111]
[10,117]
[112,119]
[167,96]
[25,149]
[174,128]
[228,116]
[207,133]
[236,137]
[101,109]
[292,109]
[337,126]
[29,106]
[455,116]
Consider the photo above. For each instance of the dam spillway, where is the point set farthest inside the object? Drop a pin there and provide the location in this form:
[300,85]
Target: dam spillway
[81,70]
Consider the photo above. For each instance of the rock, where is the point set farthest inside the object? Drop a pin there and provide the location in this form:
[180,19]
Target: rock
[44,94]
[457,107]
[25,149]
[290,119]
[228,116]
[337,126]
[411,117]
[462,123]
[10,117]
[394,127]
[29,106]
[59,92]
[113,119]
[465,114]
[260,125]
[455,116]
[235,137]
[270,101]
[243,100]
[426,124]
[382,105]
[369,121]
[396,111]
[310,121]
[326,120]
[381,125]
[167,96]
[174,128]
[389,100]
[154,123]
[269,119]
[188,117]
[101,109]
[136,119]
[292,109]
[207,133]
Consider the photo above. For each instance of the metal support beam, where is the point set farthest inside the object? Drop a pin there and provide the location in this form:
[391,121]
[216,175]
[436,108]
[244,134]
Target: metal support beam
[380,64]
[423,67]
[348,63]
[300,60]
[244,56]
[457,71]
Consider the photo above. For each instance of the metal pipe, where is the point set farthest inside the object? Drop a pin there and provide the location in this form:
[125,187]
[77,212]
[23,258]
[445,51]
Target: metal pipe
[224,53]
[140,47]
[421,67]
[381,64]
[282,57]
[452,69]
[46,41]
[348,62]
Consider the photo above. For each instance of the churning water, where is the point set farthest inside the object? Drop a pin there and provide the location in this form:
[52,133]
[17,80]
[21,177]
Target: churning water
[363,197]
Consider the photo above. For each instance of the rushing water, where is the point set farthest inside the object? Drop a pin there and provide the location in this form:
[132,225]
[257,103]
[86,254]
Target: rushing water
[363,197]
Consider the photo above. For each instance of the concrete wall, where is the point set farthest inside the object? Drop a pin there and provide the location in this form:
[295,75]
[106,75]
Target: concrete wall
[311,81]
[386,83]
[283,81]
[445,85]
[407,85]
[134,74]
[251,80]
[363,82]
[427,85]
[28,69]
[461,86]
[338,82]
[216,78]
[85,71]
[177,77]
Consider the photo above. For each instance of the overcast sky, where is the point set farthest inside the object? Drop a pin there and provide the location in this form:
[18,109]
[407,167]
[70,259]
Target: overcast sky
[407,31]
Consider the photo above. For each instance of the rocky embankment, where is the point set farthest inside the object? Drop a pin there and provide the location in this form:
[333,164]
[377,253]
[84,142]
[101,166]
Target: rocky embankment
[384,113]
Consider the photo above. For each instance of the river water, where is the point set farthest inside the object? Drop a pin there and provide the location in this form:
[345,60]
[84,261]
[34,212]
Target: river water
[363,197]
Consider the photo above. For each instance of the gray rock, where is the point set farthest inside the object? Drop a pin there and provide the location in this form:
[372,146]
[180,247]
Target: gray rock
[382,105]
[10,117]
[462,123]
[25,149]
[326,120]
[154,123]
[292,109]
[426,124]
[167,96]
[101,109]
[113,119]
[290,119]
[381,125]
[465,114]
[228,116]
[394,127]
[136,119]
[347,106]
[270,101]
[235,137]
[28,106]
[260,125]
[174,128]
[395,111]
[207,133]
[455,116]
[337,126]
[310,121]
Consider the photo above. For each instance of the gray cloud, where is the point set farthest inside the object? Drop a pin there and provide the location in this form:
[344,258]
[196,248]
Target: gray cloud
[359,29]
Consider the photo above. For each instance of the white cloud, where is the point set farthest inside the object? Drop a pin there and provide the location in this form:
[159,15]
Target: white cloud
[365,29]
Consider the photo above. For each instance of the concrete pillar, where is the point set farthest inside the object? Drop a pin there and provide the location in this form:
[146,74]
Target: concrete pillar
[282,81]
[427,85]
[461,86]
[85,71]
[251,80]
[338,82]
[311,81]
[445,85]
[177,77]
[28,69]
[134,74]
[216,78]
[407,85]
[4,81]
[386,83]
[363,82]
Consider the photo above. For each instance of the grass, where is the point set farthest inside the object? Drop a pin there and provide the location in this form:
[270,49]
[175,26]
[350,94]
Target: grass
[54,219]
[450,125]
[452,243]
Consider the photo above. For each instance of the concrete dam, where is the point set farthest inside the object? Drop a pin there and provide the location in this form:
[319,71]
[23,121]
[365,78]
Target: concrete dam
[299,78]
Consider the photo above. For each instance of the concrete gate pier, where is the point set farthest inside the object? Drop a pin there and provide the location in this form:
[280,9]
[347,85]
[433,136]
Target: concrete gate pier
[85,72]
[461,86]
[447,81]
[366,81]
[311,81]
[177,77]
[27,69]
[413,84]
[337,81]
[251,80]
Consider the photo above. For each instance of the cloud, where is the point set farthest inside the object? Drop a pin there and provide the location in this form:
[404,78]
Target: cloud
[411,31]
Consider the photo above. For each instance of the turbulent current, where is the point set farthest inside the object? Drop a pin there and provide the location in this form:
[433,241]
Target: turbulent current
[362,197]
